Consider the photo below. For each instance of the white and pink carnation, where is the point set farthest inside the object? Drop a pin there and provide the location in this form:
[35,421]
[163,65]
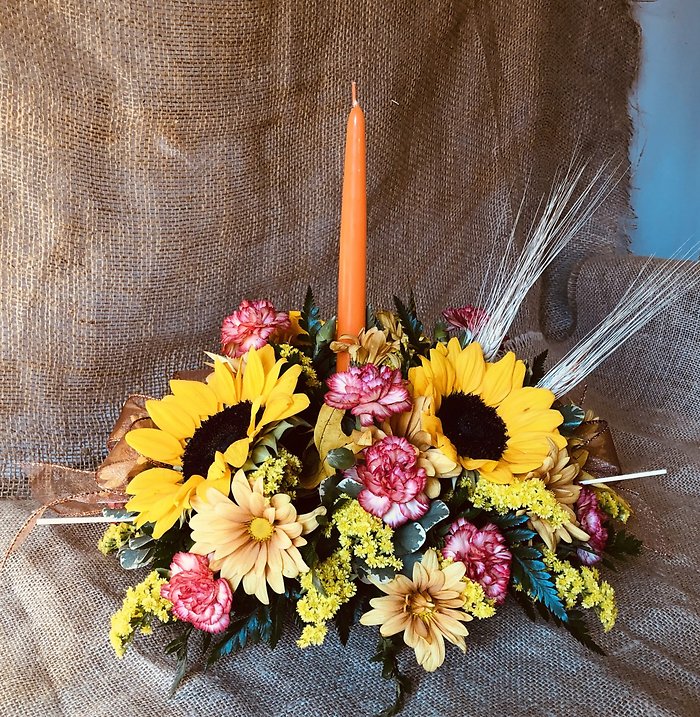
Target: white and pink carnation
[393,483]
[369,392]
[251,326]
[592,520]
[471,318]
[198,597]
[485,554]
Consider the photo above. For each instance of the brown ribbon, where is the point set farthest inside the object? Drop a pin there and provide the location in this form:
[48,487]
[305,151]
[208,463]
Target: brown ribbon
[596,439]
[77,493]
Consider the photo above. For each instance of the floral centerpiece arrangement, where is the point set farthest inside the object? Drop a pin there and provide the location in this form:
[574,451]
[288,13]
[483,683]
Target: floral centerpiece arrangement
[413,493]
[370,470]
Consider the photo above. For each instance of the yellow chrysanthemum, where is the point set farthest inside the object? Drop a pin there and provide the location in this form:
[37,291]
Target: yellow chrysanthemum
[253,539]
[205,429]
[481,415]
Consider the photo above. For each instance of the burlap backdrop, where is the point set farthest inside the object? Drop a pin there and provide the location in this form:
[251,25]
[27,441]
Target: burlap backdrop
[161,159]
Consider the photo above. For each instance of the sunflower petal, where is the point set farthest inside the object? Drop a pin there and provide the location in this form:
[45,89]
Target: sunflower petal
[253,376]
[470,368]
[169,417]
[222,384]
[498,380]
[156,444]
[196,396]
[237,453]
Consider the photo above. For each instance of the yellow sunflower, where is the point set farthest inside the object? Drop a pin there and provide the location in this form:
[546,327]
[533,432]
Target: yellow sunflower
[205,429]
[481,416]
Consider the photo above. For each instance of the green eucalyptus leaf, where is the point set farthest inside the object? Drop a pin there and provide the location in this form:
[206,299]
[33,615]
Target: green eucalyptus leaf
[350,487]
[328,489]
[437,512]
[341,458]
[139,541]
[134,559]
[379,575]
[117,514]
[408,562]
[409,538]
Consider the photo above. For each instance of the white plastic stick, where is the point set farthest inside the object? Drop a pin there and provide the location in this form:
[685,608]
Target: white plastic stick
[86,519]
[627,476]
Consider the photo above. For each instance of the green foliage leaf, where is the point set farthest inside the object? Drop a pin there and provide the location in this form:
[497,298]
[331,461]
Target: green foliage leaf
[573,418]
[249,629]
[178,647]
[310,319]
[350,487]
[437,512]
[135,559]
[529,571]
[516,536]
[325,334]
[440,332]
[279,607]
[341,458]
[574,624]
[409,538]
[379,575]
[350,613]
[408,562]
[118,515]
[328,489]
[387,649]
[412,327]
[140,541]
[621,544]
[536,370]
[509,520]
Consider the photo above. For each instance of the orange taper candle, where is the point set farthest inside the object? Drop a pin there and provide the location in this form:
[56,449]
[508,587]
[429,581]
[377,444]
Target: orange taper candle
[352,265]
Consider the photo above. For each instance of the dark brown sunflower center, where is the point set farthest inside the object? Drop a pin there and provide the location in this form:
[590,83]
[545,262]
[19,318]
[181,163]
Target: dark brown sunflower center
[474,428]
[217,433]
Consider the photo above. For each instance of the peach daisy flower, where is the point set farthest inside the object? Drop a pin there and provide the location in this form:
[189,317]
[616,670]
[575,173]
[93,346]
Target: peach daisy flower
[428,609]
[253,539]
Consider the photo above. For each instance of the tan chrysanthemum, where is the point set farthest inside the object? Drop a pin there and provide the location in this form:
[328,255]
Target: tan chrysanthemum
[408,425]
[558,473]
[389,321]
[428,609]
[370,347]
[254,539]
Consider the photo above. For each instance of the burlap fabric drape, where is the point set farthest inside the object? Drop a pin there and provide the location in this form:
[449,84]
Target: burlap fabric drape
[160,160]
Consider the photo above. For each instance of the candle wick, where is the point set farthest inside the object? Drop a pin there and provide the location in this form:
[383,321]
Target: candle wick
[354,95]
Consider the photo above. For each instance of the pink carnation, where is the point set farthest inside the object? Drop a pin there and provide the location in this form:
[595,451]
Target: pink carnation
[592,520]
[251,326]
[196,596]
[393,482]
[469,317]
[484,553]
[369,392]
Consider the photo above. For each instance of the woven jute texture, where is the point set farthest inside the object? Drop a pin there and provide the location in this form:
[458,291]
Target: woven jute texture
[57,594]
[162,159]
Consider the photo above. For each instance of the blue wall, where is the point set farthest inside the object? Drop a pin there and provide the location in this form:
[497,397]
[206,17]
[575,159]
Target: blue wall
[665,108]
